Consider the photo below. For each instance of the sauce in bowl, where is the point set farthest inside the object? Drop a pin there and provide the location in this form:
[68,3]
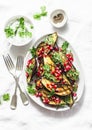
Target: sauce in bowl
[19,31]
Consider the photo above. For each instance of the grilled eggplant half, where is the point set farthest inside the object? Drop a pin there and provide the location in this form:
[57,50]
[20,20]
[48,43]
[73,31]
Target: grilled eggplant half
[46,46]
[53,100]
[62,90]
[31,69]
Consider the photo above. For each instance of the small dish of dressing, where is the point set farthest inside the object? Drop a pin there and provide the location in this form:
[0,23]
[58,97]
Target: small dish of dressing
[58,18]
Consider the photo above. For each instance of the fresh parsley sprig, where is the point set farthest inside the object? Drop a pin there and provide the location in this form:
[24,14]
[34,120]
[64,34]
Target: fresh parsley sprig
[43,12]
[31,89]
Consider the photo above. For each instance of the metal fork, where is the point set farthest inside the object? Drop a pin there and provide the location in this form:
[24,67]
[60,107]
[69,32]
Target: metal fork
[19,68]
[11,69]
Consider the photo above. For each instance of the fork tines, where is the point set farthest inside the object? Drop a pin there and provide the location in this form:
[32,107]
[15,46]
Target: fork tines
[8,61]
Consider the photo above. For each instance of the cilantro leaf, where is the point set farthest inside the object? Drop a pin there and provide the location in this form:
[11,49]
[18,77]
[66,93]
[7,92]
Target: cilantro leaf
[9,32]
[31,89]
[65,46]
[56,57]
[43,12]
[51,93]
[21,22]
[37,16]
[33,51]
[74,75]
[49,76]
[6,97]
[46,68]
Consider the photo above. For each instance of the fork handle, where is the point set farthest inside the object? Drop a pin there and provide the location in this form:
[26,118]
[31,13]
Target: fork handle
[13,104]
[23,96]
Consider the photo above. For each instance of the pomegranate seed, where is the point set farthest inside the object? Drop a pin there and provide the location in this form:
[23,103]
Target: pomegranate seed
[40,94]
[69,56]
[53,98]
[46,101]
[57,74]
[55,86]
[47,85]
[74,94]
[67,68]
[52,84]
[27,74]
[29,62]
[57,100]
[52,72]
[59,78]
[63,82]
[56,48]
[37,94]
[38,74]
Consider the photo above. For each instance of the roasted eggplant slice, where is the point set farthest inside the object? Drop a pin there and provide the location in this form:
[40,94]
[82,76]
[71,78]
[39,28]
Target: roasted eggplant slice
[47,60]
[65,80]
[69,100]
[31,69]
[46,46]
[53,100]
[62,90]
[51,38]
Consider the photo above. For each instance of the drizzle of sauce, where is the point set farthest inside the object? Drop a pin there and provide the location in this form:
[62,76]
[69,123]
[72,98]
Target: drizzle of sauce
[58,18]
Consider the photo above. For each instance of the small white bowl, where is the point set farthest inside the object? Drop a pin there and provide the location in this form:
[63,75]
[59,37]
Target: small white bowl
[63,21]
[17,40]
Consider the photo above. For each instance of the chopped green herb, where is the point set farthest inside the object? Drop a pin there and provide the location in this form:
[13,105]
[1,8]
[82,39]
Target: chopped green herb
[46,68]
[31,26]
[9,32]
[37,16]
[51,93]
[73,74]
[31,89]
[6,97]
[49,76]
[43,12]
[21,23]
[33,51]
[56,57]
[21,29]
[65,46]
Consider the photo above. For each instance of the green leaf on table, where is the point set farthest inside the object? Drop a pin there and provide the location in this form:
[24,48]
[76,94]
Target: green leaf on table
[6,97]
[37,16]
[43,12]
